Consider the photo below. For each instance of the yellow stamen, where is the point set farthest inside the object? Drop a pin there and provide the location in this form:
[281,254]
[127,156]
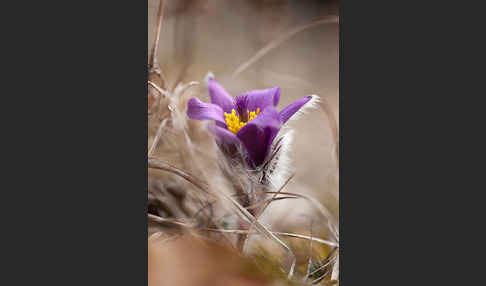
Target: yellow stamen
[233,120]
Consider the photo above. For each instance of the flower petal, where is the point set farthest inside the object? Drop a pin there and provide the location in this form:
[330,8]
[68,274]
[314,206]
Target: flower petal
[219,95]
[292,108]
[223,135]
[263,98]
[199,110]
[257,135]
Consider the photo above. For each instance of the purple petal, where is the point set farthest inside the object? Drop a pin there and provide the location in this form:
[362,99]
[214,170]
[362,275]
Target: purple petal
[220,96]
[263,98]
[223,135]
[292,108]
[257,135]
[241,106]
[199,110]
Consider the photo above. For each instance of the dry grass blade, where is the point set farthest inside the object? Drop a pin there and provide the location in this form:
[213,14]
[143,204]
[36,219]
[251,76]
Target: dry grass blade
[155,236]
[267,202]
[155,75]
[333,125]
[274,153]
[335,269]
[260,212]
[309,262]
[331,222]
[319,279]
[274,198]
[327,261]
[160,90]
[153,54]
[208,205]
[165,166]
[157,137]
[163,220]
[313,201]
[268,234]
[159,238]
[317,270]
[162,165]
[293,235]
[279,40]
[185,87]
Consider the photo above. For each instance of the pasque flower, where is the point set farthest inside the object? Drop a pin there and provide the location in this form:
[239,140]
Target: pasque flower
[249,120]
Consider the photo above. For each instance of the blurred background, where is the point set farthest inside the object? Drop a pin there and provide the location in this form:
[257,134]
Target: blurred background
[198,36]
[222,36]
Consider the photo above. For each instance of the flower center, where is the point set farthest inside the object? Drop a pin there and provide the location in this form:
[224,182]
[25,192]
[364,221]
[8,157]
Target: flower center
[235,123]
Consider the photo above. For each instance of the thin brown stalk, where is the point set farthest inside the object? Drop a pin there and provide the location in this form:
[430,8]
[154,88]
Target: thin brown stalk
[242,240]
[157,137]
[330,259]
[313,201]
[301,236]
[268,234]
[335,269]
[317,270]
[160,238]
[333,125]
[279,40]
[319,279]
[208,205]
[153,54]
[309,262]
[293,235]
[160,90]
[331,222]
[327,261]
[267,202]
[164,220]
[275,196]
[155,235]
[163,165]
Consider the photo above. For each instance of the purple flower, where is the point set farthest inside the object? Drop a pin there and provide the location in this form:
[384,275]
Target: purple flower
[249,119]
